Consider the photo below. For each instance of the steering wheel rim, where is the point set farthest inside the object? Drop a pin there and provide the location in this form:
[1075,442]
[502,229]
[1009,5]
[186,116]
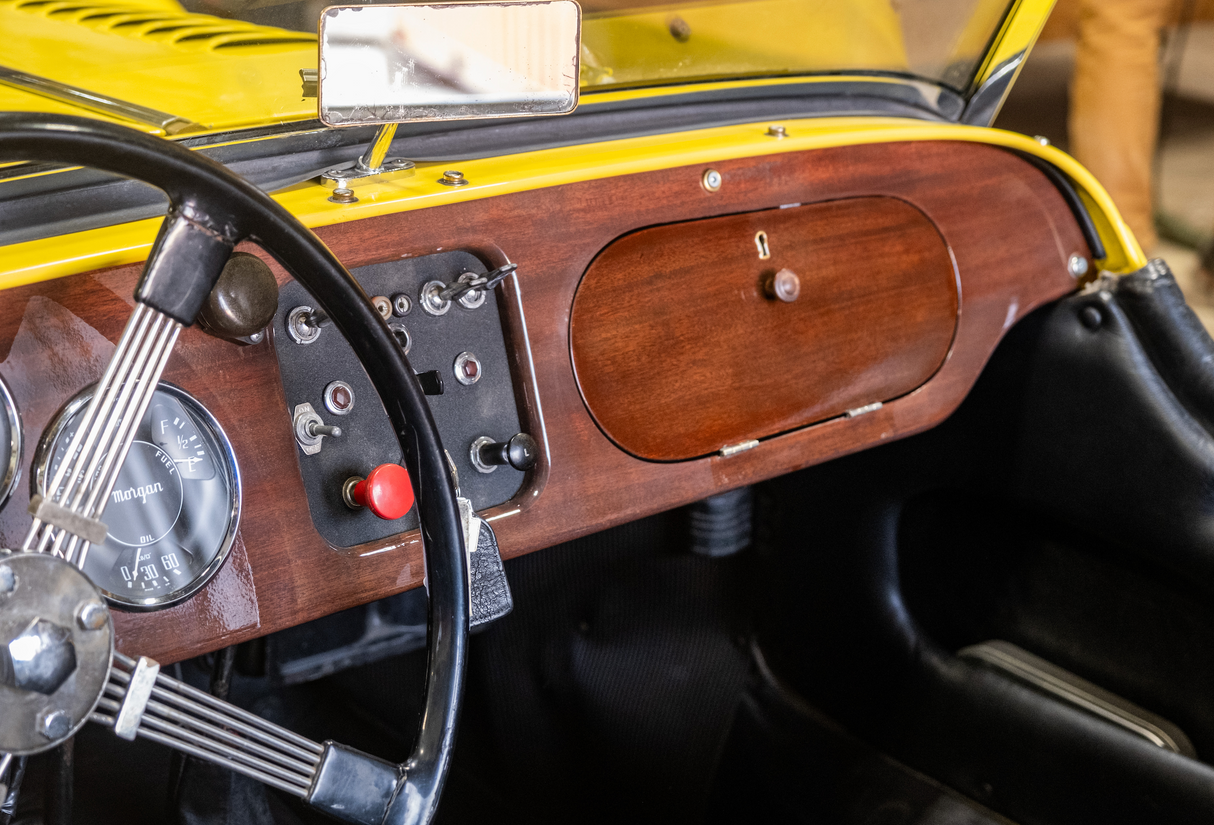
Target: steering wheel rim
[210,203]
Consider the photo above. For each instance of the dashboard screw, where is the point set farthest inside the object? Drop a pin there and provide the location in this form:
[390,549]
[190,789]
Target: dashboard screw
[777,131]
[680,29]
[711,180]
[453,177]
[1077,266]
[91,616]
[343,195]
[1042,139]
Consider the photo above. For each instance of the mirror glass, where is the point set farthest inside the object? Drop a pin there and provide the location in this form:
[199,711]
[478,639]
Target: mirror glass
[454,61]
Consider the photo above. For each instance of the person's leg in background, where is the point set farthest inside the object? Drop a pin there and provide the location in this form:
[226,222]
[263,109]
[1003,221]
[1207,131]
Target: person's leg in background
[1115,99]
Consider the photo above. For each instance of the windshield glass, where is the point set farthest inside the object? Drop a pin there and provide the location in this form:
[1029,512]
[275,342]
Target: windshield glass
[219,65]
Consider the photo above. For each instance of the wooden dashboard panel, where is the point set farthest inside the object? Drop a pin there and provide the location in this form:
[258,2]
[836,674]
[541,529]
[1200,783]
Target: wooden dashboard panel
[681,349]
[1008,230]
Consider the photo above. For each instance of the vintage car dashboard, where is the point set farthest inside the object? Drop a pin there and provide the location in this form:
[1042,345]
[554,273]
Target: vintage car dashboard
[668,334]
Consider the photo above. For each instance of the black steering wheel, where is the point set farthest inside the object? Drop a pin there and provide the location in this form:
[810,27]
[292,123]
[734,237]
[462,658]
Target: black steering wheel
[210,211]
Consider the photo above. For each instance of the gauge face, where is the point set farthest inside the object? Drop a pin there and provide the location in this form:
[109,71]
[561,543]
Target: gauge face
[173,512]
[10,443]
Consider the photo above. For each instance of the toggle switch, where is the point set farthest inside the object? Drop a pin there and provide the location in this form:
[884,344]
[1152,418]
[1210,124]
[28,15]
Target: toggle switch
[386,492]
[520,452]
[310,429]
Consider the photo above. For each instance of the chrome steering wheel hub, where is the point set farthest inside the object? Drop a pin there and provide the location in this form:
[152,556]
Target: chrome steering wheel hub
[56,642]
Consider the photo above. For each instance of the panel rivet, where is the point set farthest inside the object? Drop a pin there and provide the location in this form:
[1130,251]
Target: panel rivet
[777,131]
[1077,266]
[711,180]
[453,177]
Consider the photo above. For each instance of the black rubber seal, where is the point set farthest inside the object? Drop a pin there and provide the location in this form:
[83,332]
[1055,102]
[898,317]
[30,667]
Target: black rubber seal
[1064,186]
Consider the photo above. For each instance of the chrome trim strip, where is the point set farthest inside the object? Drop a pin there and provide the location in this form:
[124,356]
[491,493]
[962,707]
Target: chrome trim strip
[984,104]
[171,124]
[1071,689]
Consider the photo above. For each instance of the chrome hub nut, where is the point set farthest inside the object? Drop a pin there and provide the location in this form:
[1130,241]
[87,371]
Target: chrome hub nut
[40,658]
[56,645]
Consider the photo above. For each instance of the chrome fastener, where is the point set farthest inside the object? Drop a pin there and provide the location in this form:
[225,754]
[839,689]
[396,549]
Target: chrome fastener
[711,180]
[55,724]
[467,369]
[402,337]
[453,177]
[91,616]
[1077,266]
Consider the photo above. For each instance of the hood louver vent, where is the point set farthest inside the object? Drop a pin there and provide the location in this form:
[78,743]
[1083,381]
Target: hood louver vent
[190,32]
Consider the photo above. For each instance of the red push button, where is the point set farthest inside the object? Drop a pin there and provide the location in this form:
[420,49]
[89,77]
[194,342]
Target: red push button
[386,491]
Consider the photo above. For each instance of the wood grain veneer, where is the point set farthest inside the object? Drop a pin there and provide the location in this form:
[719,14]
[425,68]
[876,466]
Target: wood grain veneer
[1007,228]
[680,350]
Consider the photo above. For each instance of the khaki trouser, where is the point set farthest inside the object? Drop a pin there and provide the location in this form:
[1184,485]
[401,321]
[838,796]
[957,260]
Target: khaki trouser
[1115,99]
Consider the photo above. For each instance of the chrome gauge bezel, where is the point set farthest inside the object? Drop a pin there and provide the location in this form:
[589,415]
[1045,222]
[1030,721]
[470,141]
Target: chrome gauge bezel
[10,465]
[44,454]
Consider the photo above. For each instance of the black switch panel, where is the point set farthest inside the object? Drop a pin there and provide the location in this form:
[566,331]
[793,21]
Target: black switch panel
[463,412]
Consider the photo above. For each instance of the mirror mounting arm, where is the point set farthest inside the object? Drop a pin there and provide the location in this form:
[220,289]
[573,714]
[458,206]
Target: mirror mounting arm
[373,165]
[372,160]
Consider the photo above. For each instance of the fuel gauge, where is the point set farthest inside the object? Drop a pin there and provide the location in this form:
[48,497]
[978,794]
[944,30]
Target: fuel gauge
[173,512]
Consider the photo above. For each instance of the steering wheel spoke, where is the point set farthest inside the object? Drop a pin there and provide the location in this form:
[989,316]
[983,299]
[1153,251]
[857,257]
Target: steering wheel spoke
[165,710]
[67,515]
[140,701]
[186,259]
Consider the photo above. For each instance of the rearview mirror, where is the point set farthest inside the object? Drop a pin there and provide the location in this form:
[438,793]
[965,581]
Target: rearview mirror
[452,61]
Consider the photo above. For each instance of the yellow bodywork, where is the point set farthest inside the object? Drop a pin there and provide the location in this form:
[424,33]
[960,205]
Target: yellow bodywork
[253,71]
[219,74]
[752,37]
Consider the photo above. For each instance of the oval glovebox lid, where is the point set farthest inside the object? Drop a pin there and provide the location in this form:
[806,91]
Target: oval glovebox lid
[679,350]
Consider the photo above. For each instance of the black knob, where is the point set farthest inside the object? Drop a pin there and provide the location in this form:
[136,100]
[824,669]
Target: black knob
[243,301]
[431,381]
[520,452]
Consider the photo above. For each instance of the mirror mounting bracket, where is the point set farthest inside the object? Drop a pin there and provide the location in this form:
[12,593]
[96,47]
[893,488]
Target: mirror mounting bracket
[372,166]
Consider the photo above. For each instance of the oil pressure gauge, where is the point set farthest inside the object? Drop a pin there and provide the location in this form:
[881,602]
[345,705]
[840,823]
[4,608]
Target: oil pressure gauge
[173,512]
